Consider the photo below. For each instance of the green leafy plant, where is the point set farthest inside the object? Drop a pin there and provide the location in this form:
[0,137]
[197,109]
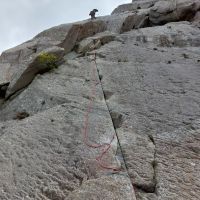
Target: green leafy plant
[48,59]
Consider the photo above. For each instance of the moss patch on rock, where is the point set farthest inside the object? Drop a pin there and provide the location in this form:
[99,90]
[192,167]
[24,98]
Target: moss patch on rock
[48,59]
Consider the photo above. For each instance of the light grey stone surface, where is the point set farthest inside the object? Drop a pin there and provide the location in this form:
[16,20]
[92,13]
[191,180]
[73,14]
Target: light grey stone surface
[178,164]
[44,156]
[21,58]
[95,42]
[168,11]
[113,188]
[134,6]
[4,73]
[146,94]
[156,89]
[25,72]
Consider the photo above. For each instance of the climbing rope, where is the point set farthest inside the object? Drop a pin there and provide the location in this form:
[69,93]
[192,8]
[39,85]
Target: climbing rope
[104,148]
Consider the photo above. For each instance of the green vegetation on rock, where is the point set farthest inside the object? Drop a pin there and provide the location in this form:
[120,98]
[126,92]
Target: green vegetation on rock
[48,59]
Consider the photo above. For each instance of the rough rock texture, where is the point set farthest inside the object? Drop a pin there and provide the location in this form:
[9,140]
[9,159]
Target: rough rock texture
[168,11]
[116,187]
[179,34]
[95,42]
[4,77]
[64,36]
[156,89]
[139,104]
[40,63]
[44,156]
[178,163]
[135,6]
[196,19]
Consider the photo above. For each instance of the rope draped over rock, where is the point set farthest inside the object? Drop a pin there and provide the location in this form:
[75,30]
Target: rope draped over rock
[105,146]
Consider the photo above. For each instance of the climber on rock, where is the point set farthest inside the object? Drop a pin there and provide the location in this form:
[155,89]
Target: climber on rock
[92,14]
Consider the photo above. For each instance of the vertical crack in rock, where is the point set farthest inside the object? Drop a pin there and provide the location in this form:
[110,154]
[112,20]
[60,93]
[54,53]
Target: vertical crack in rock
[114,126]
[3,89]
[154,165]
[148,190]
[117,120]
[116,117]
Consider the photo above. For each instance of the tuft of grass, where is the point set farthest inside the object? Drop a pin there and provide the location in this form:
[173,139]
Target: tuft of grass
[48,59]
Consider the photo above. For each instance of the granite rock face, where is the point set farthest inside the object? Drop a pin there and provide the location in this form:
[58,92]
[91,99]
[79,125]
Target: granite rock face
[168,11]
[107,109]
[39,63]
[135,6]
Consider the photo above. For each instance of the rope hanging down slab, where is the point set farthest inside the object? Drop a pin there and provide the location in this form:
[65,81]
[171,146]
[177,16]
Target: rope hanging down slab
[104,148]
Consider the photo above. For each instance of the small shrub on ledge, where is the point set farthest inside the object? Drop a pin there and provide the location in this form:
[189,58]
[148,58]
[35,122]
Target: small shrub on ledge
[48,59]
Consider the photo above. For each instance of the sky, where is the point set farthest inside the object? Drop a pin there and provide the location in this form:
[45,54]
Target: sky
[21,20]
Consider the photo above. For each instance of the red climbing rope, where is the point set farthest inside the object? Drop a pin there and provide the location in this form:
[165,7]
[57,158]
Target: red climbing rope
[105,146]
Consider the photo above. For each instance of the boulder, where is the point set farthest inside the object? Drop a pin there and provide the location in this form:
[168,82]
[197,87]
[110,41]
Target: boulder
[56,33]
[136,21]
[112,188]
[81,31]
[134,6]
[129,7]
[170,11]
[124,22]
[196,19]
[174,34]
[69,34]
[95,42]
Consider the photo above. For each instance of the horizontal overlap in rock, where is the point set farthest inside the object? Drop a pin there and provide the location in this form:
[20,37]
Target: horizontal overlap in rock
[26,72]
